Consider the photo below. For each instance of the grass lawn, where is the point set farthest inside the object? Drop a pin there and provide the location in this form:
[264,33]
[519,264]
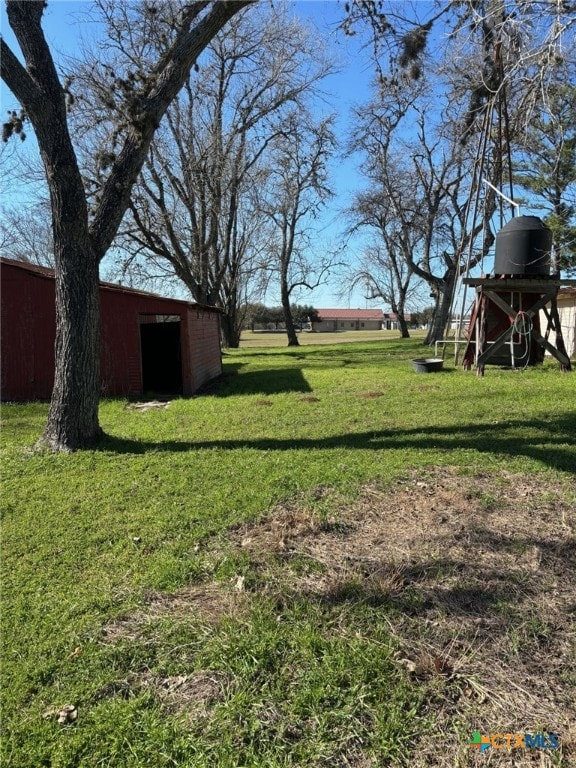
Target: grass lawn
[251,339]
[324,560]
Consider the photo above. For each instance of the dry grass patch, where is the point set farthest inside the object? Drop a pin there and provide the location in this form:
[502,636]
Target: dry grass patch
[476,577]
[192,695]
[206,603]
[473,576]
[152,405]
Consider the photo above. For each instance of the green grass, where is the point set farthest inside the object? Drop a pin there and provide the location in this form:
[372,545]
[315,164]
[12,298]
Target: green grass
[89,537]
[267,339]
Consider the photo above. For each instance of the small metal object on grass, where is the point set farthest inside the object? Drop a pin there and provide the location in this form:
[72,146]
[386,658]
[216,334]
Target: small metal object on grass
[427,364]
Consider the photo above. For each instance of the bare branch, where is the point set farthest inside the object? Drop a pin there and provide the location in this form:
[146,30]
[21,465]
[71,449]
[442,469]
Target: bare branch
[16,77]
[166,79]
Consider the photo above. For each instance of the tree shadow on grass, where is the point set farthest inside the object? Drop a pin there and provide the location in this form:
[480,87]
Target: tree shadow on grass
[272,381]
[457,587]
[368,354]
[485,599]
[423,595]
[550,442]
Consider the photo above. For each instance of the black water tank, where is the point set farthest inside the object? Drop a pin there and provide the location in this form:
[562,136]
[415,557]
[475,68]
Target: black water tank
[523,248]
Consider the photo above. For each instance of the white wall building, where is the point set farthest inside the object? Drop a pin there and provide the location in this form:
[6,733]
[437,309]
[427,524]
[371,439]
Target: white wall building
[567,314]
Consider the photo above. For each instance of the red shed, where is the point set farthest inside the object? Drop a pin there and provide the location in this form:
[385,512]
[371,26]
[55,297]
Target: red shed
[148,343]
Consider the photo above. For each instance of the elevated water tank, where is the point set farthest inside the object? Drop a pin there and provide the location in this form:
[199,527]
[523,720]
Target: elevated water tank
[523,248]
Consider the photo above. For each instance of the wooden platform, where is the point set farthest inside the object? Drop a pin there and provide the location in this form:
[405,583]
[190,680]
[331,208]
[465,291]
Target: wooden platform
[505,324]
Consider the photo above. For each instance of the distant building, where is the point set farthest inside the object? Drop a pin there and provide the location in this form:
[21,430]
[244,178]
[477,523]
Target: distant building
[567,313]
[347,320]
[464,324]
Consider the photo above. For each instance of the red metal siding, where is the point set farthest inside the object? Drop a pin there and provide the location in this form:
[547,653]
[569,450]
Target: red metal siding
[120,359]
[28,333]
[204,346]
[28,322]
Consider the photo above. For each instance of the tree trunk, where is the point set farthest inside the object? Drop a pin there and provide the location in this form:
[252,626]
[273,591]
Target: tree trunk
[73,416]
[230,332]
[404,332]
[398,309]
[288,320]
[441,312]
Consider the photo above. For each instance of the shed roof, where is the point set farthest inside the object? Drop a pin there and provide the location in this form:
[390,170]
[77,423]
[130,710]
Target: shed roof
[48,273]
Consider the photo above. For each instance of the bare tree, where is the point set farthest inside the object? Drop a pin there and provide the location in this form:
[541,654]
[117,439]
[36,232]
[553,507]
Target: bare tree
[454,241]
[546,164]
[26,234]
[80,243]
[386,268]
[194,211]
[495,69]
[297,188]
[400,35]
[383,275]
[416,198]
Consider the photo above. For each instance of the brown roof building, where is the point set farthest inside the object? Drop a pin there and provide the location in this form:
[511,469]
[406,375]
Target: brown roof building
[348,320]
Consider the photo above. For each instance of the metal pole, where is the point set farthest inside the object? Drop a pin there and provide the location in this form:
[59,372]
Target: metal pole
[508,199]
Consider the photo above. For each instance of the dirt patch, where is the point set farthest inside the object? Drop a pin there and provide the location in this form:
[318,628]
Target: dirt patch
[370,395]
[476,577]
[309,399]
[263,403]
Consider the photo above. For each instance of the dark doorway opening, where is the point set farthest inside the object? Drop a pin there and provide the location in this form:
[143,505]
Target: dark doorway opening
[161,355]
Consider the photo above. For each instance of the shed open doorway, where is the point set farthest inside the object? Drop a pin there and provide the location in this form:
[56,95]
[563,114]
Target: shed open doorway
[161,349]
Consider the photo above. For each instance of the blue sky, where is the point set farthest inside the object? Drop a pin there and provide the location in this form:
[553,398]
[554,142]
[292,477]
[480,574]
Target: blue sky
[65,29]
